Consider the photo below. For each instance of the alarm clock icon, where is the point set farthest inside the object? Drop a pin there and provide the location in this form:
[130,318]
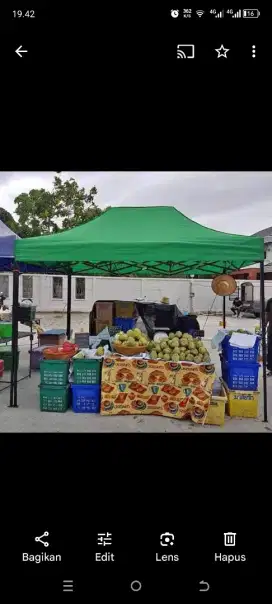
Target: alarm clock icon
[174,13]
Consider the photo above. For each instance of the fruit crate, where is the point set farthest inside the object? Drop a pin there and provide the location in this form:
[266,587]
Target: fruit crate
[54,398]
[87,371]
[217,407]
[5,329]
[233,354]
[6,355]
[86,399]
[240,377]
[242,403]
[54,373]
[124,324]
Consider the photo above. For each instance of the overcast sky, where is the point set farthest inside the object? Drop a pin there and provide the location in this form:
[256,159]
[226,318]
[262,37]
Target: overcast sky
[234,202]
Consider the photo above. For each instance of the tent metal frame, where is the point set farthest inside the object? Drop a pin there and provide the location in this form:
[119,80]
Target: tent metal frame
[109,268]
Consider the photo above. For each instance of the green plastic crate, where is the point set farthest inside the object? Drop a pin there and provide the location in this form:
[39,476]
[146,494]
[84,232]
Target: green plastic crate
[87,371]
[5,329]
[54,373]
[6,355]
[54,398]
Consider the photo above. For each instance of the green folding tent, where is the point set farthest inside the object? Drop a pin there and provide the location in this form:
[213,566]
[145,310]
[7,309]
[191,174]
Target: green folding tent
[143,241]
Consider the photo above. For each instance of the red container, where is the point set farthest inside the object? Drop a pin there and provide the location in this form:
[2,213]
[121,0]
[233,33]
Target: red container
[1,367]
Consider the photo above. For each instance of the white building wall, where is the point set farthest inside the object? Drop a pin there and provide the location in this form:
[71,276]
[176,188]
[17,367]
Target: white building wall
[107,288]
[268,249]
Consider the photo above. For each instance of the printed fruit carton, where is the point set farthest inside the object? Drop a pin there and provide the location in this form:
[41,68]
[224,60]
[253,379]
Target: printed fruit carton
[186,405]
[123,369]
[143,386]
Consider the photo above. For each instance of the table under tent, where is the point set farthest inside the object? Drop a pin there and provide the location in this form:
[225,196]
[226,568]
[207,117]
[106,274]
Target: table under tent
[156,241]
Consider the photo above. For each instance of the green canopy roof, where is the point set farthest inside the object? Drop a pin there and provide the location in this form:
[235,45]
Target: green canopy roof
[143,241]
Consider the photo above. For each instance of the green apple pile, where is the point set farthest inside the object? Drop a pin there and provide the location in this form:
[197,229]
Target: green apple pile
[179,347]
[133,337]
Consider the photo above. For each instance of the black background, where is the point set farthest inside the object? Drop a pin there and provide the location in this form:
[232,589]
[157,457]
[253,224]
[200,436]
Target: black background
[101,89]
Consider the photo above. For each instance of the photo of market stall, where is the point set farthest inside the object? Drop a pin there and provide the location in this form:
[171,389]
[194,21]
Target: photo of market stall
[126,371]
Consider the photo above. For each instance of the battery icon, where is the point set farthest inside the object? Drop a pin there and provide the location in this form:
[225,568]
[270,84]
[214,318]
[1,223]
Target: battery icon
[251,13]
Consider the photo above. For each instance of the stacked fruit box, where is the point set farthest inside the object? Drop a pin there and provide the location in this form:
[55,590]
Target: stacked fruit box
[240,372]
[54,386]
[86,385]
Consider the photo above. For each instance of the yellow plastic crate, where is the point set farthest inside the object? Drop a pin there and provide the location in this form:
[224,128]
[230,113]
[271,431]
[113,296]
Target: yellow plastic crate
[242,403]
[216,411]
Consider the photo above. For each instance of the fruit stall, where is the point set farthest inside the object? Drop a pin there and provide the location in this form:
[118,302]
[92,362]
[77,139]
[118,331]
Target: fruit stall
[156,241]
[171,375]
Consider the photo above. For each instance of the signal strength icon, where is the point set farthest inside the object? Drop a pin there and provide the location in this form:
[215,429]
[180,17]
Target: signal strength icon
[237,15]
[200,13]
[220,15]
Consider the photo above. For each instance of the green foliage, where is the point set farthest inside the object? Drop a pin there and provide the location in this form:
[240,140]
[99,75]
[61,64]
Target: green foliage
[9,221]
[42,212]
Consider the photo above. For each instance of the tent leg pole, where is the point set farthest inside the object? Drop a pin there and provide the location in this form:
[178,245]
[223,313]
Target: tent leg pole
[69,297]
[14,353]
[262,298]
[224,312]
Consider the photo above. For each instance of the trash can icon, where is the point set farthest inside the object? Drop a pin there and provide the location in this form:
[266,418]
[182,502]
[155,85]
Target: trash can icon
[229,539]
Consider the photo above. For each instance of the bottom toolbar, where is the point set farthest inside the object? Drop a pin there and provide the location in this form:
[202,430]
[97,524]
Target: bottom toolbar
[143,581]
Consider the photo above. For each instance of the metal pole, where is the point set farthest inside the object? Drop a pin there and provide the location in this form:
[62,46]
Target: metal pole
[224,312]
[69,297]
[262,299]
[31,347]
[191,296]
[14,348]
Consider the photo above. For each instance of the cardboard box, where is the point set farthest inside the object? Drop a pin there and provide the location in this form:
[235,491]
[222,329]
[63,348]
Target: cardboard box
[100,325]
[124,310]
[52,338]
[104,312]
[217,408]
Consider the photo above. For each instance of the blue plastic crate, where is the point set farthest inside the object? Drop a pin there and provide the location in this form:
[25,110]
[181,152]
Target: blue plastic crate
[232,354]
[124,324]
[85,399]
[240,377]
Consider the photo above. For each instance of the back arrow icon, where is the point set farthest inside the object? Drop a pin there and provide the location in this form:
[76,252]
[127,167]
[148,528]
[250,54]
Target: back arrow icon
[19,51]
[205,587]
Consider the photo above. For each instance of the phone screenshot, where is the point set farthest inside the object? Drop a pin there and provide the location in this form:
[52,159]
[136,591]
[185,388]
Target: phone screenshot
[135,301]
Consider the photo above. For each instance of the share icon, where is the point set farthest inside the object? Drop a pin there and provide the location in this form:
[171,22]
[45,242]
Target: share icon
[39,539]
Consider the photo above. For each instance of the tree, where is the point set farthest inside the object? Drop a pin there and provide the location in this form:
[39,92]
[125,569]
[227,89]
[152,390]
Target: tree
[8,220]
[44,212]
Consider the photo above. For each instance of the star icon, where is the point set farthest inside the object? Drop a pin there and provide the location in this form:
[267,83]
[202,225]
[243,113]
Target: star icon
[222,52]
